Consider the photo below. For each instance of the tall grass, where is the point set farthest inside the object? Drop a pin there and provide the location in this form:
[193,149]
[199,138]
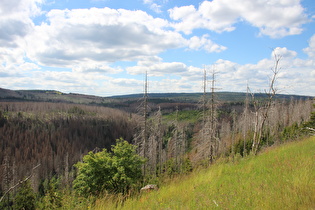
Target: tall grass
[279,178]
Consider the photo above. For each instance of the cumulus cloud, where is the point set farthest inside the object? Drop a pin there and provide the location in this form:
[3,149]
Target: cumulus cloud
[16,20]
[15,25]
[310,50]
[96,67]
[294,76]
[198,43]
[127,82]
[273,18]
[71,38]
[87,43]
[108,35]
[284,53]
[153,5]
[157,69]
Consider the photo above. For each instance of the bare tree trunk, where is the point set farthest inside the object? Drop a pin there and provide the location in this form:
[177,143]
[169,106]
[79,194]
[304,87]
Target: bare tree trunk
[245,121]
[145,119]
[204,98]
[234,131]
[214,140]
[261,112]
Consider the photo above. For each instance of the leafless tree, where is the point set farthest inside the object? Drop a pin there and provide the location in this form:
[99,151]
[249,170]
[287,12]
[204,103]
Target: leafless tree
[262,110]
[213,121]
[245,121]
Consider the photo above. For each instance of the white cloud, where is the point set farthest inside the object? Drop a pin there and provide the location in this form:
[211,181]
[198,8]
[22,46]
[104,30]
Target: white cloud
[96,67]
[86,43]
[198,43]
[15,20]
[157,69]
[294,76]
[16,8]
[73,37]
[84,37]
[15,25]
[284,53]
[156,7]
[127,82]
[273,18]
[310,50]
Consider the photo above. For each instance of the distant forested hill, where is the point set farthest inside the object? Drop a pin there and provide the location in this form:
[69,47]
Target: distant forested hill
[132,101]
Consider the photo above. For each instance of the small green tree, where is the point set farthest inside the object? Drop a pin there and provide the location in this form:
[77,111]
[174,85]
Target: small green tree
[116,172]
[25,197]
[53,197]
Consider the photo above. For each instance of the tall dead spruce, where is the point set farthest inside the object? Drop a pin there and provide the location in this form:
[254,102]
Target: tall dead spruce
[145,121]
[141,137]
[214,139]
[261,110]
[210,121]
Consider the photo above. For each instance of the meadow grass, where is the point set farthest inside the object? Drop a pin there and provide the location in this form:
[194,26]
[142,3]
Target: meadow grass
[279,178]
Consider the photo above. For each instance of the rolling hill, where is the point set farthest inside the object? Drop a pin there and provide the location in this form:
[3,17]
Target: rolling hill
[126,102]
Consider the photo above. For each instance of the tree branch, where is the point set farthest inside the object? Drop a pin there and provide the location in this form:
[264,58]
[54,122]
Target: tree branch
[19,183]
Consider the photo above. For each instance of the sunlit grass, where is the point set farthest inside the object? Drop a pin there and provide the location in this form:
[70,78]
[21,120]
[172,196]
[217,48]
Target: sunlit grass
[280,178]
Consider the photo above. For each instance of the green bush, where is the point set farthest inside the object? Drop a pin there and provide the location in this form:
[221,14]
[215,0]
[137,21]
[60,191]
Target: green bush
[115,172]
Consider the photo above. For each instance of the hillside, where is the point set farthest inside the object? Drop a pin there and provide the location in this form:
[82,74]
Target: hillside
[279,178]
[55,135]
[57,96]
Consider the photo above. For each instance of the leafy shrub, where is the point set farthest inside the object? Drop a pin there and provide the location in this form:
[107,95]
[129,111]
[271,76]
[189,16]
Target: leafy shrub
[115,172]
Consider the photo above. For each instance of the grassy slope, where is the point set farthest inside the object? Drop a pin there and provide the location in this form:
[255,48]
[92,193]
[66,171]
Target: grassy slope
[279,178]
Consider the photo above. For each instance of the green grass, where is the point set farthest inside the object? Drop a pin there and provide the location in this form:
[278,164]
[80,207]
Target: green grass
[279,178]
[190,116]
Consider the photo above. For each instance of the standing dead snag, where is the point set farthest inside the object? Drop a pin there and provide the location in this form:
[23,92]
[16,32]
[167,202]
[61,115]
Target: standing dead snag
[145,121]
[245,121]
[209,132]
[261,112]
[214,140]
[141,137]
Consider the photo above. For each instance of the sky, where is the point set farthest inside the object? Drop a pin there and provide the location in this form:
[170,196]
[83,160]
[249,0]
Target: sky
[105,47]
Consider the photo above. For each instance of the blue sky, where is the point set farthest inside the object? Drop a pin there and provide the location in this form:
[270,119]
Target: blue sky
[104,47]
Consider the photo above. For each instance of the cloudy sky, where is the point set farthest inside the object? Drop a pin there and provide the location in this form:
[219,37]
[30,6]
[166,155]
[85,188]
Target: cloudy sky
[104,47]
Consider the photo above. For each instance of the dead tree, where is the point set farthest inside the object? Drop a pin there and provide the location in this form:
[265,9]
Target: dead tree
[234,131]
[261,111]
[145,120]
[213,121]
[209,134]
[204,97]
[19,183]
[245,120]
[141,136]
